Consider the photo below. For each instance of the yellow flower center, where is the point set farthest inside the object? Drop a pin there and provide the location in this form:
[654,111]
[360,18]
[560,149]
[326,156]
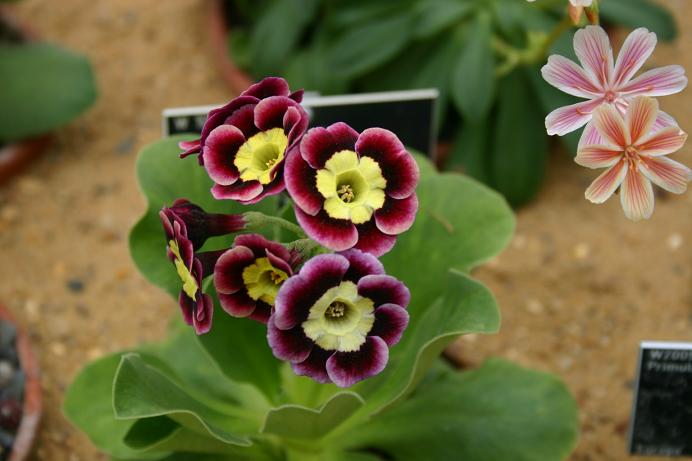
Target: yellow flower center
[353,187]
[258,155]
[263,280]
[341,319]
[190,286]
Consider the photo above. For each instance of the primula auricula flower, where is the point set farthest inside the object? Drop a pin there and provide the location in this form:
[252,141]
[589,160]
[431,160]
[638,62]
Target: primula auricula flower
[198,224]
[353,190]
[244,143]
[197,307]
[634,155]
[247,277]
[602,82]
[336,319]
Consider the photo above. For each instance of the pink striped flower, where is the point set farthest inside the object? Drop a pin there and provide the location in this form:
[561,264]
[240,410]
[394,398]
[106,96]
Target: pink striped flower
[634,152]
[601,81]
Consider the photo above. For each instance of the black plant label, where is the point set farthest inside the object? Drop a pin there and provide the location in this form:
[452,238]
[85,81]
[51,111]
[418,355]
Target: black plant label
[662,417]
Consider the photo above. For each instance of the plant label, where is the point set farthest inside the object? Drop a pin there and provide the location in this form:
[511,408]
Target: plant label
[662,413]
[409,114]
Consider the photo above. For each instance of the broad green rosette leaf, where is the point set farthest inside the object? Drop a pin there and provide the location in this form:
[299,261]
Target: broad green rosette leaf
[499,412]
[42,87]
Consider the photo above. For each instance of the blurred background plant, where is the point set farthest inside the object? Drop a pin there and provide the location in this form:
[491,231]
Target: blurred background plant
[488,85]
[42,86]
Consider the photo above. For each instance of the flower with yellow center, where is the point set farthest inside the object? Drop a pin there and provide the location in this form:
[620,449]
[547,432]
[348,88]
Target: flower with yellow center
[257,157]
[263,280]
[341,319]
[353,187]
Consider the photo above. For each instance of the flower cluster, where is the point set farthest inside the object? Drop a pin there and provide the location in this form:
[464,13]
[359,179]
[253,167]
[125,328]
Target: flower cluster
[623,127]
[330,308]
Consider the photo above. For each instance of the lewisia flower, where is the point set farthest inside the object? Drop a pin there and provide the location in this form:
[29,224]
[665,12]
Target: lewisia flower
[601,82]
[244,143]
[337,318]
[197,307]
[353,190]
[635,157]
[198,224]
[248,276]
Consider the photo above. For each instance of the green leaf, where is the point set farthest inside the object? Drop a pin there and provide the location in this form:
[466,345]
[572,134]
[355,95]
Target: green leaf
[240,349]
[465,307]
[369,45]
[89,406]
[296,421]
[436,16]
[471,149]
[163,178]
[42,87]
[473,77]
[460,224]
[640,13]
[424,65]
[142,391]
[519,154]
[499,412]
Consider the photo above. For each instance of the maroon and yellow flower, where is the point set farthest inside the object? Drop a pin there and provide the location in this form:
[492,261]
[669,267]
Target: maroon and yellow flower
[244,143]
[197,307]
[336,319]
[351,189]
[248,276]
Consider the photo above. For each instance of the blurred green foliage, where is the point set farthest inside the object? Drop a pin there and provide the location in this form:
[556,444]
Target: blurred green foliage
[483,56]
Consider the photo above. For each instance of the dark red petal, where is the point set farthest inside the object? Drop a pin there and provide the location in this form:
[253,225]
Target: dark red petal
[361,264]
[301,183]
[335,234]
[238,304]
[190,147]
[279,263]
[397,216]
[166,223]
[347,368]
[314,366]
[384,289]
[402,176]
[297,95]
[203,314]
[295,123]
[243,119]
[300,292]
[319,144]
[244,192]
[373,240]
[187,306]
[219,151]
[291,345]
[257,243]
[261,313]
[228,272]
[270,112]
[270,86]
[220,115]
[380,144]
[390,322]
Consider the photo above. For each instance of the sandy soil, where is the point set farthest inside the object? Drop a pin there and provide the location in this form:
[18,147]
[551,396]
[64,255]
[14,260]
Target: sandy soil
[579,286]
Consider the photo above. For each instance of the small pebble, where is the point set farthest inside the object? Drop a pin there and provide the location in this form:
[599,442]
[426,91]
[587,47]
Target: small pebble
[32,310]
[582,251]
[125,145]
[534,306]
[675,241]
[75,285]
[58,349]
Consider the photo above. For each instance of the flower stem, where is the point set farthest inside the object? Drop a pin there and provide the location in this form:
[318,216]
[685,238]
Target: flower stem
[256,220]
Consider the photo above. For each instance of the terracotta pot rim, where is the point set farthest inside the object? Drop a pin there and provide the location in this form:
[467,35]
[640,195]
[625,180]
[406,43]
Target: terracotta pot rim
[236,79]
[33,398]
[15,156]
